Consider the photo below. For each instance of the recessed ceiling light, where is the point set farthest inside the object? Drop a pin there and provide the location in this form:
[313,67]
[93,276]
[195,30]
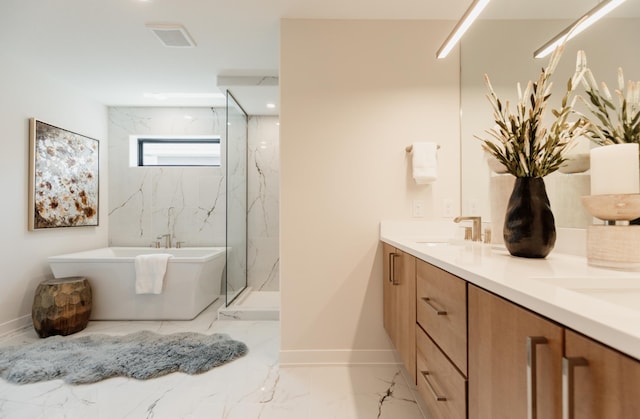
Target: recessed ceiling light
[271,105]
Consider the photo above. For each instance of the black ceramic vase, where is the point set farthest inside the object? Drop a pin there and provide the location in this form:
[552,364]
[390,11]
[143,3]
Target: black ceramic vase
[529,226]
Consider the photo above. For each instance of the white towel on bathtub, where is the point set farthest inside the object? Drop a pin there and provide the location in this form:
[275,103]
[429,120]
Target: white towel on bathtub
[150,270]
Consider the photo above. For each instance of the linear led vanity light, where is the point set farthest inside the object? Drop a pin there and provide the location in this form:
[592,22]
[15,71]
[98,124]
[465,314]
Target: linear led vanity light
[464,23]
[588,19]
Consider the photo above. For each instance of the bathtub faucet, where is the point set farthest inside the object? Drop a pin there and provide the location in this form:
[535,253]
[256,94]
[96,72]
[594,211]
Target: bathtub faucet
[167,240]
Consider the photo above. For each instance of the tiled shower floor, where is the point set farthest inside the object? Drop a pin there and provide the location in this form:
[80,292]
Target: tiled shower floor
[252,387]
[253,305]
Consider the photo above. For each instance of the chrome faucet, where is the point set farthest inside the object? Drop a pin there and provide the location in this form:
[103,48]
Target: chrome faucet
[167,240]
[476,233]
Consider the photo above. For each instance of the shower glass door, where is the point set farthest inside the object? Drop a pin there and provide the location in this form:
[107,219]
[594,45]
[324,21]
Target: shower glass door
[236,229]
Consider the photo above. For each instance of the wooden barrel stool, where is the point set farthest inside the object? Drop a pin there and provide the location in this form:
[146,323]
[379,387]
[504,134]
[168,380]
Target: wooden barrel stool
[61,306]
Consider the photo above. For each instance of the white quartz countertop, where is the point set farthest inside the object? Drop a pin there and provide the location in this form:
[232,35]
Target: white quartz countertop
[600,303]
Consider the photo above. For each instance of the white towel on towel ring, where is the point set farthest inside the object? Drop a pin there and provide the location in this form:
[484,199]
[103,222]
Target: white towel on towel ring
[425,162]
[150,270]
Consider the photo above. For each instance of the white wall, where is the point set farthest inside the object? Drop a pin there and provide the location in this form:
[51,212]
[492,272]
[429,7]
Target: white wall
[354,94]
[27,93]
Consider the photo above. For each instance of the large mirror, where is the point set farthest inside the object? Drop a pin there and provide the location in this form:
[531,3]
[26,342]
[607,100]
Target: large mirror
[503,49]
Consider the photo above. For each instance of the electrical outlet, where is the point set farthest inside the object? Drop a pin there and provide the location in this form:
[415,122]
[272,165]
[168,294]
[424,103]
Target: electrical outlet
[418,208]
[473,207]
[447,208]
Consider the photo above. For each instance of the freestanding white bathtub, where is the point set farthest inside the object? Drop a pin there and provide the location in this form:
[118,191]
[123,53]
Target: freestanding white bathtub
[191,283]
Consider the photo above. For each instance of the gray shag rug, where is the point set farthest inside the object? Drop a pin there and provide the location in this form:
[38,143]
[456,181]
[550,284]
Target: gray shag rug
[140,355]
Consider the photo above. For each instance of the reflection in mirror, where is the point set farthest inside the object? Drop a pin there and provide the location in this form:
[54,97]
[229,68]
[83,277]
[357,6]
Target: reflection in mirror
[503,49]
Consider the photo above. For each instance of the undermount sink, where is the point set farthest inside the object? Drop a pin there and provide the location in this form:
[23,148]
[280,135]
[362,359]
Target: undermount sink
[615,290]
[627,298]
[592,282]
[441,241]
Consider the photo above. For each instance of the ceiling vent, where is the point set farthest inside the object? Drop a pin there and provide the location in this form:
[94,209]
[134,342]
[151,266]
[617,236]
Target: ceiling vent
[173,36]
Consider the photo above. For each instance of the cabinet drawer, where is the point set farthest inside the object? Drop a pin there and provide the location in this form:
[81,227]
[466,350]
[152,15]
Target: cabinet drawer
[440,384]
[441,301]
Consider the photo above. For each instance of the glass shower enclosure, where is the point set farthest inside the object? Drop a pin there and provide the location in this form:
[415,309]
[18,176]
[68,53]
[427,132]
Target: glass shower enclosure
[236,175]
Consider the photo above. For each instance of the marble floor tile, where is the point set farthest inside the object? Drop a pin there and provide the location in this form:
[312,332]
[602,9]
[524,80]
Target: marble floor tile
[252,387]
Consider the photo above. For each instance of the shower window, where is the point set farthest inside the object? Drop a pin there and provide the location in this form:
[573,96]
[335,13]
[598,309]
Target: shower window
[183,151]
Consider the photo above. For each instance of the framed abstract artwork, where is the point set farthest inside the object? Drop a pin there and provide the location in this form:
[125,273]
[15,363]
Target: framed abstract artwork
[63,177]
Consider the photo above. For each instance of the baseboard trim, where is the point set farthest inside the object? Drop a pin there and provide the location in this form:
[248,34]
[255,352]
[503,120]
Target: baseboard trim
[14,325]
[291,358]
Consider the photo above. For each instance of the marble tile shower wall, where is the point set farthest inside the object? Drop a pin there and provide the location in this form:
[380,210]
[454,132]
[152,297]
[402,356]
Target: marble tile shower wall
[263,191]
[189,202]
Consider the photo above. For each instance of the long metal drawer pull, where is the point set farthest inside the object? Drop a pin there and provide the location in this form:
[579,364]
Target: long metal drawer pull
[439,311]
[392,268]
[567,384]
[430,387]
[532,376]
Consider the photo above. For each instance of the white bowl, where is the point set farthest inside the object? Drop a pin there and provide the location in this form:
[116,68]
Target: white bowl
[495,165]
[575,163]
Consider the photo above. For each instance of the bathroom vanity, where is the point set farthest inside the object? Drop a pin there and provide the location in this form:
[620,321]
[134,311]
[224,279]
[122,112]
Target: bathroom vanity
[486,335]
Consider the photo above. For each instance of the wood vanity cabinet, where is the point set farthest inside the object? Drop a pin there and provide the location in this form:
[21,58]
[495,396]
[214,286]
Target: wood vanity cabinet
[517,364]
[510,350]
[603,382]
[399,303]
[473,354]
